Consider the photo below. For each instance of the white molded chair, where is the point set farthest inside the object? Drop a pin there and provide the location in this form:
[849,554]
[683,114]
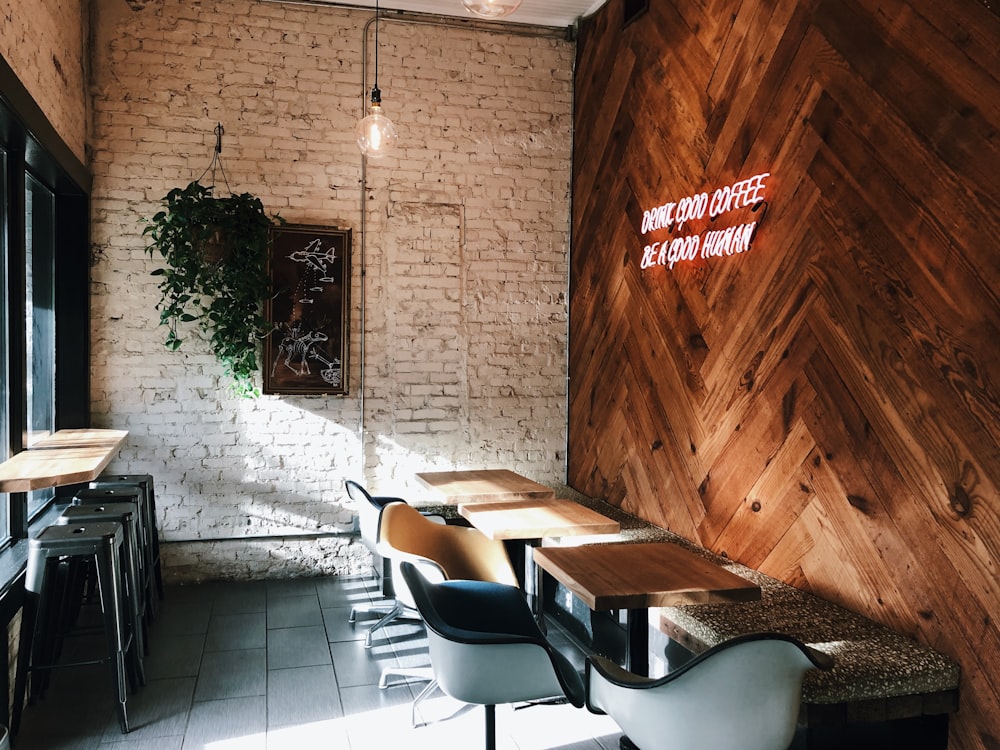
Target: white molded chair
[369,510]
[441,552]
[743,694]
[486,647]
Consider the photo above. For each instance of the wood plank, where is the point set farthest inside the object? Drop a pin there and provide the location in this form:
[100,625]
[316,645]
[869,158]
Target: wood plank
[82,438]
[554,517]
[481,486]
[66,457]
[632,576]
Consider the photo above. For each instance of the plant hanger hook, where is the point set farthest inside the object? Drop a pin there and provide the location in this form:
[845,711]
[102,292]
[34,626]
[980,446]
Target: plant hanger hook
[217,161]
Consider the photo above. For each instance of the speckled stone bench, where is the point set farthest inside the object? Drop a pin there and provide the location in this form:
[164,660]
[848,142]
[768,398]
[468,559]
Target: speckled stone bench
[884,688]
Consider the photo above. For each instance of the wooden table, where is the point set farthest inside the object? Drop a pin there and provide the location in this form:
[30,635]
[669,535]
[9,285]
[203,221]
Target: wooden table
[65,457]
[481,486]
[534,519]
[636,577]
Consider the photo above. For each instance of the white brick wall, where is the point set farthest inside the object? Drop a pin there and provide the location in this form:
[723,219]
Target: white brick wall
[467,244]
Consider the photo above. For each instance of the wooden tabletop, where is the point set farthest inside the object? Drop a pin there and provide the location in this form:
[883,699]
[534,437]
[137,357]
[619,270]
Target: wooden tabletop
[65,457]
[481,486]
[633,576]
[81,438]
[537,518]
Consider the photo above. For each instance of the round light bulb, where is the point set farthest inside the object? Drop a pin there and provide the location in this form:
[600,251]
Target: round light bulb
[376,134]
[491,8]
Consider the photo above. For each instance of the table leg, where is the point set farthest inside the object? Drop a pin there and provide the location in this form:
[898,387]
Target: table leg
[533,575]
[637,641]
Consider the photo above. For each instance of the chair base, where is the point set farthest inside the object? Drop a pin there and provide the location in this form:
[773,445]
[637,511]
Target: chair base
[398,612]
[414,673]
[374,610]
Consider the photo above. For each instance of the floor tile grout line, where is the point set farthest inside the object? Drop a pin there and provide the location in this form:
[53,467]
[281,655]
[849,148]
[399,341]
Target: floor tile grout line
[397,644]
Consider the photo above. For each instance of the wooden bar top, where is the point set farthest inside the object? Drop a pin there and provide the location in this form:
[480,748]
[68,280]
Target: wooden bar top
[634,576]
[481,486]
[537,518]
[65,457]
[81,438]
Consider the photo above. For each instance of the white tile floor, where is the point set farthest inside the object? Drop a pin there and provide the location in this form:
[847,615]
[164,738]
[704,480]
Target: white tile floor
[275,665]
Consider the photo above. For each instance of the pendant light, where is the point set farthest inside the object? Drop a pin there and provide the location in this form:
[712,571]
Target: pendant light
[376,134]
[491,8]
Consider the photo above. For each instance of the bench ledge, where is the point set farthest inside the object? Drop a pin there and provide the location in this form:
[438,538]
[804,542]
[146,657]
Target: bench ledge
[873,662]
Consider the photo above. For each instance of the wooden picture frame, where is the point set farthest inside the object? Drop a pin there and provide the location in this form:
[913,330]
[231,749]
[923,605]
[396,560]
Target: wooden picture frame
[309,307]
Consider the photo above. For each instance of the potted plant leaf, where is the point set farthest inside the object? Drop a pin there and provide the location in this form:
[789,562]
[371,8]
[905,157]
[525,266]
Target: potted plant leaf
[215,275]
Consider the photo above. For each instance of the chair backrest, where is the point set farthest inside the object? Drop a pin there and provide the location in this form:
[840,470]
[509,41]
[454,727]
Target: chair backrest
[461,552]
[485,645]
[369,511]
[743,694]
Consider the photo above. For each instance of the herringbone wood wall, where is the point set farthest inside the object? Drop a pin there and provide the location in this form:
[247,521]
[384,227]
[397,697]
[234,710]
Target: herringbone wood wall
[826,406]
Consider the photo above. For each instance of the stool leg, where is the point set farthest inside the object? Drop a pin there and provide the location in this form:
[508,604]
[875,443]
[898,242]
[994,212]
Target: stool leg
[29,616]
[110,582]
[144,527]
[51,622]
[157,567]
[130,563]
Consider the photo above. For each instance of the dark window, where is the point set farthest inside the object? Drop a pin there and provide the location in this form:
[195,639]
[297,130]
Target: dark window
[44,278]
[39,321]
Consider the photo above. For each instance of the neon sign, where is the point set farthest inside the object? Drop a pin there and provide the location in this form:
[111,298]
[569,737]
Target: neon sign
[709,244]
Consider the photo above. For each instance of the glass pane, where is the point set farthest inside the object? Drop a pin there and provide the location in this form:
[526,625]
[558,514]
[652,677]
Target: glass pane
[39,319]
[4,353]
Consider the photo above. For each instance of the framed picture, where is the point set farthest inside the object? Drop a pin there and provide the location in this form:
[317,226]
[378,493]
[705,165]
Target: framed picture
[309,307]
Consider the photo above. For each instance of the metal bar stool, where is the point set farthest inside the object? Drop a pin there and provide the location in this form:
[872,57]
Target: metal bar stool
[102,544]
[136,497]
[145,483]
[125,514]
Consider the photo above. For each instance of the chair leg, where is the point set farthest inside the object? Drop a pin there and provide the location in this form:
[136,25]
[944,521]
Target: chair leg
[491,728]
[428,689]
[379,610]
[385,620]
[412,673]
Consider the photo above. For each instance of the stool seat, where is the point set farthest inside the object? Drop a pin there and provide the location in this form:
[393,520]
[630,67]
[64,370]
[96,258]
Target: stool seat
[89,539]
[100,543]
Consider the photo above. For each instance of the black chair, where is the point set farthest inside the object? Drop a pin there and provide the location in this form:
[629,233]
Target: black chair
[486,647]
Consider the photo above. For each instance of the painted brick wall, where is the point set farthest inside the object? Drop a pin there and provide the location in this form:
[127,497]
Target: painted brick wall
[465,256]
[43,42]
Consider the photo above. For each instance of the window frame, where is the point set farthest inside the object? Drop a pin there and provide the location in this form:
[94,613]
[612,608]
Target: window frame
[32,146]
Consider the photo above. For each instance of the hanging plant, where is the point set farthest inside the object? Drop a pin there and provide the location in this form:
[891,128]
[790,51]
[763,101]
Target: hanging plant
[216,252]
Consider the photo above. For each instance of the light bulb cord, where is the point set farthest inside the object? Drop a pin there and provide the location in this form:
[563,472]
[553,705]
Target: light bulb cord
[375,88]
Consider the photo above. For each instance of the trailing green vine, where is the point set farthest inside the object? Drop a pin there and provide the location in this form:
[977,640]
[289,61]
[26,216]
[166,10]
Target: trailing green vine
[216,253]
